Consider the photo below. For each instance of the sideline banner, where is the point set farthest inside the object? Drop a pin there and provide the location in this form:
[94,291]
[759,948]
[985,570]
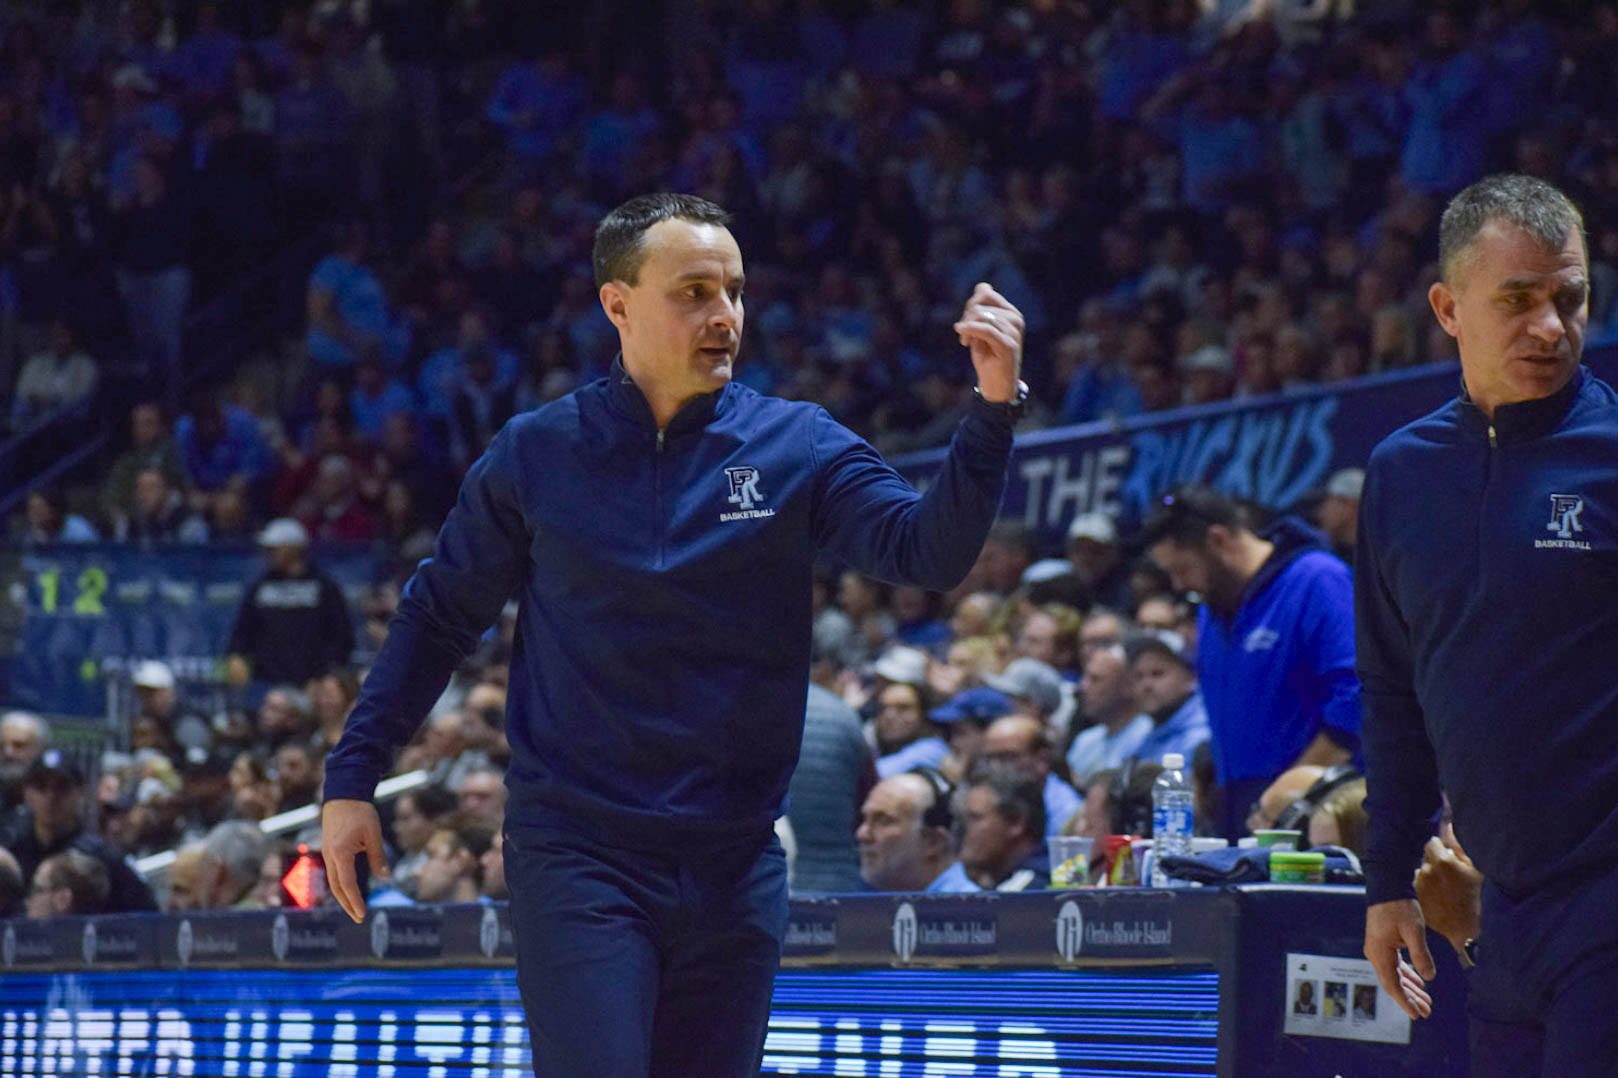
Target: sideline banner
[91,610]
[1278,450]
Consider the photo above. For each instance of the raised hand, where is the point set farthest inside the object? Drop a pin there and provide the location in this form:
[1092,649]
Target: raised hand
[993,329]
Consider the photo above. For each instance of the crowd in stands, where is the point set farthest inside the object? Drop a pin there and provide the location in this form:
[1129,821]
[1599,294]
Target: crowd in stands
[1187,207]
[946,737]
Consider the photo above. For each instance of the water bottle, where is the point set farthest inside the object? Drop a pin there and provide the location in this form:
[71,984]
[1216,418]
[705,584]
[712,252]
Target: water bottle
[1172,807]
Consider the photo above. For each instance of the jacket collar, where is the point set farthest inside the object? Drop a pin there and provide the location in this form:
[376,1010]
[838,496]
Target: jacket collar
[626,398]
[1526,419]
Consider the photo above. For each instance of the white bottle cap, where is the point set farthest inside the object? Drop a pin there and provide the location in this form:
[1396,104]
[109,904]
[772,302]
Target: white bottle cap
[1173,761]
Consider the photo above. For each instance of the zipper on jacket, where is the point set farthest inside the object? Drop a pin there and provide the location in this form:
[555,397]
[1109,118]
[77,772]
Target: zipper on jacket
[1492,463]
[1494,441]
[657,495]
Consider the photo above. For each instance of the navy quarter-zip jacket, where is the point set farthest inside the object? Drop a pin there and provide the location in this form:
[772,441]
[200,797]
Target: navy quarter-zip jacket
[660,666]
[1487,608]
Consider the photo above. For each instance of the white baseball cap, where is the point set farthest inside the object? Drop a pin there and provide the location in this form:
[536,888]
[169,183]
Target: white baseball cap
[152,674]
[1096,526]
[283,532]
[1210,357]
[902,664]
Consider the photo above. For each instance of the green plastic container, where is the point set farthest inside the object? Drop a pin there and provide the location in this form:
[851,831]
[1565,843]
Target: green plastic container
[1287,866]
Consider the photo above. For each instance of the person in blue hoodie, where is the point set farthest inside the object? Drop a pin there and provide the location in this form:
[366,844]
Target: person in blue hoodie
[1486,578]
[659,527]
[1275,641]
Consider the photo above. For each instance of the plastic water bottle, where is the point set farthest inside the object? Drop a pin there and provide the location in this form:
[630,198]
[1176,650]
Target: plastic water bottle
[1172,808]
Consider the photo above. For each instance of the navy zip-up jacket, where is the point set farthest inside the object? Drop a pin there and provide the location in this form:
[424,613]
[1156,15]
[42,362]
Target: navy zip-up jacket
[661,660]
[1487,601]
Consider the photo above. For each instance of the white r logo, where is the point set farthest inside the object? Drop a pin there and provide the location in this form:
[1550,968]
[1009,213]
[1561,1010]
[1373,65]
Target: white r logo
[743,487]
[1565,512]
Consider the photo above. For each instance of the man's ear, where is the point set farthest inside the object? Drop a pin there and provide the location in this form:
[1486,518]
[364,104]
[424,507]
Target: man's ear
[1442,298]
[615,301]
[61,901]
[1219,539]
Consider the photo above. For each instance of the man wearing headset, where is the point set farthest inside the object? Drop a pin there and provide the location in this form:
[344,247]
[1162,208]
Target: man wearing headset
[906,836]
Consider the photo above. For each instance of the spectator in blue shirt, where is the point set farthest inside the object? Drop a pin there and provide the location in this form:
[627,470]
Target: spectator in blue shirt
[1221,151]
[1023,742]
[617,132]
[1275,641]
[444,372]
[45,519]
[535,102]
[1165,679]
[1141,52]
[1107,695]
[1101,386]
[905,735]
[348,309]
[906,836]
[221,444]
[1448,96]
[375,397]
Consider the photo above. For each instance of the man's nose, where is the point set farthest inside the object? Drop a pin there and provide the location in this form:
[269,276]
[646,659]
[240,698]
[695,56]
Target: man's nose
[725,312]
[1547,324]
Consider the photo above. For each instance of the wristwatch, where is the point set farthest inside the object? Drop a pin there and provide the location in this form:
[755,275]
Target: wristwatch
[1013,409]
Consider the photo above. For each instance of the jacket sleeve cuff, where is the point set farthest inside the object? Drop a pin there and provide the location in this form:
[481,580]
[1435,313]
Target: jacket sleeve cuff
[347,784]
[1382,885]
[987,423]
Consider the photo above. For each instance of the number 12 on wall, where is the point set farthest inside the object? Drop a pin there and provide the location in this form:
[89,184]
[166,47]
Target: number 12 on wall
[90,586]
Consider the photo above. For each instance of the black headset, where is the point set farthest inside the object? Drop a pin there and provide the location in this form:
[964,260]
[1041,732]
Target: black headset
[1295,817]
[1127,818]
[940,813]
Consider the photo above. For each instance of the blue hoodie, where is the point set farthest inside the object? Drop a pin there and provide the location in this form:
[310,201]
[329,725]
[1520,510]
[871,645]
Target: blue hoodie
[661,659]
[1487,583]
[1281,670]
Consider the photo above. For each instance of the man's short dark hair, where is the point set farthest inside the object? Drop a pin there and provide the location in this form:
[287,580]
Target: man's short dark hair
[1531,204]
[1184,515]
[434,801]
[84,876]
[618,254]
[1018,796]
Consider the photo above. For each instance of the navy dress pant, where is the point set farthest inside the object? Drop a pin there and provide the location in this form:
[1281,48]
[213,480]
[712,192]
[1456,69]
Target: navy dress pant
[637,964]
[1543,1000]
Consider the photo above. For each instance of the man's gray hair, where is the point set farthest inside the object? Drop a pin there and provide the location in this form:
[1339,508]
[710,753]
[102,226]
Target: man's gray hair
[1531,204]
[40,728]
[240,846]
